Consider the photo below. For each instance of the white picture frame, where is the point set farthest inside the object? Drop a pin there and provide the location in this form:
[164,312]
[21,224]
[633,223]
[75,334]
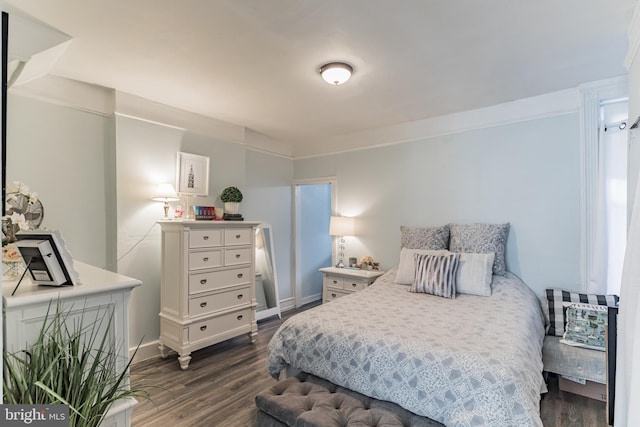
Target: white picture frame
[192,175]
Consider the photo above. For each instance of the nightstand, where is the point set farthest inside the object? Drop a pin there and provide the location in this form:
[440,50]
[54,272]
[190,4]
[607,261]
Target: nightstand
[338,282]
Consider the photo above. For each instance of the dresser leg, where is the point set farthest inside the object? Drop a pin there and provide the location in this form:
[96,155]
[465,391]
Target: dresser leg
[184,360]
[253,335]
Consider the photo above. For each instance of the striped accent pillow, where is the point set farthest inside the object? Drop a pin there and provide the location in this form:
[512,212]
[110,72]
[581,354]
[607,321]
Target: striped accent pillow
[558,301]
[436,274]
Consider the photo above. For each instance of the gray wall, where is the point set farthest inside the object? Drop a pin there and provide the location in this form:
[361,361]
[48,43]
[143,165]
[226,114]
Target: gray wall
[146,156]
[525,173]
[268,199]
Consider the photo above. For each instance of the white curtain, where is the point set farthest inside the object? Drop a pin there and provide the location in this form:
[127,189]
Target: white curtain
[609,212]
[627,404]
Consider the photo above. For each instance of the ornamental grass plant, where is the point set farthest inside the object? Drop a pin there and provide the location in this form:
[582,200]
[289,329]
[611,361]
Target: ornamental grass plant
[73,362]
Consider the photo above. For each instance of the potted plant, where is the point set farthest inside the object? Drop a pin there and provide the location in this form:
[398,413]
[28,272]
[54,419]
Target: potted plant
[71,362]
[231,197]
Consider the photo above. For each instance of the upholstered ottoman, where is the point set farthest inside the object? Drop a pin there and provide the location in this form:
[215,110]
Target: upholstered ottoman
[309,401]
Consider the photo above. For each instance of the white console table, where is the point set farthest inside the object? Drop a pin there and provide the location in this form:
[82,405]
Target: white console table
[101,292]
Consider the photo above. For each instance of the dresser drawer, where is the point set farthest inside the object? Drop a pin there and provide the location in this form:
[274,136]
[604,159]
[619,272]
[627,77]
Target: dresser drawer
[218,325]
[354,284]
[205,238]
[237,256]
[205,259]
[210,303]
[202,282]
[238,236]
[333,282]
[331,294]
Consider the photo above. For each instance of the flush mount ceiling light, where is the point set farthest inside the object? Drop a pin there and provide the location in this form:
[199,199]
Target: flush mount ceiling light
[336,73]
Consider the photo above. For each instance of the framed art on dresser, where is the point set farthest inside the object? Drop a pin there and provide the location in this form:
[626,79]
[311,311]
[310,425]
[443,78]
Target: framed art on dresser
[192,174]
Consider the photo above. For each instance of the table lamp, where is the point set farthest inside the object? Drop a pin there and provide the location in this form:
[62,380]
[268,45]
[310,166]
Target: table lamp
[165,193]
[341,226]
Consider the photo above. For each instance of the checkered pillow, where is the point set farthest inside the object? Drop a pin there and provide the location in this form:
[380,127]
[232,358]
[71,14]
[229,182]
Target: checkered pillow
[557,298]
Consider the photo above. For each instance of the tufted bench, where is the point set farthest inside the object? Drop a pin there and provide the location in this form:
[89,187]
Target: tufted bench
[309,401]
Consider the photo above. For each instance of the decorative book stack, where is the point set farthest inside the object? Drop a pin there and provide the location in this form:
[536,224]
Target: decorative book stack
[232,217]
[204,212]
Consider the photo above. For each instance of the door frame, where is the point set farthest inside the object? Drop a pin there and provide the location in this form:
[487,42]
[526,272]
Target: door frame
[296,274]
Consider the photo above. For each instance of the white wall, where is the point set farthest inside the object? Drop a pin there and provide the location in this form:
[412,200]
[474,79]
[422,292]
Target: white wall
[64,155]
[525,173]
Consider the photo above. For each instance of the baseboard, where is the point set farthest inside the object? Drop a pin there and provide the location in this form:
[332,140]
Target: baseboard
[145,351]
[287,304]
[311,298]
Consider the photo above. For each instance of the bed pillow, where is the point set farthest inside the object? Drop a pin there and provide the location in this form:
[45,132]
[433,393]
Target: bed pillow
[585,326]
[436,275]
[481,238]
[407,266]
[434,238]
[475,272]
[556,299]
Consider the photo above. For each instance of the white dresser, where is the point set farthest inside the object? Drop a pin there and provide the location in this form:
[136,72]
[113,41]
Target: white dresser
[338,282]
[208,284]
[101,294]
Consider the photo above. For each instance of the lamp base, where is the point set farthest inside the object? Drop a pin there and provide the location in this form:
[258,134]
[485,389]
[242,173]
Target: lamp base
[340,264]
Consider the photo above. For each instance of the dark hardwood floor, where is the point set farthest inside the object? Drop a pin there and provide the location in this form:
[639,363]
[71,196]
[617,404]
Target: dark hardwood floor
[222,381]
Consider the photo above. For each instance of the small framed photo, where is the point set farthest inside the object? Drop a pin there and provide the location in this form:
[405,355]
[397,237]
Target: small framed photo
[192,175]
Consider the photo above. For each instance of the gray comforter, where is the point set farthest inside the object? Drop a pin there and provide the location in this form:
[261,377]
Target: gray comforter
[470,361]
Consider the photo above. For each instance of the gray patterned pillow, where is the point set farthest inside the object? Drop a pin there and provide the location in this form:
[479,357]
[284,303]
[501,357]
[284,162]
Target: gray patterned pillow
[436,275]
[481,238]
[434,238]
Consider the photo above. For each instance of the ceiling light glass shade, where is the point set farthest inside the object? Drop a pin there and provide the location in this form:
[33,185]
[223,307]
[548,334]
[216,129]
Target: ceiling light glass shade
[336,73]
[342,226]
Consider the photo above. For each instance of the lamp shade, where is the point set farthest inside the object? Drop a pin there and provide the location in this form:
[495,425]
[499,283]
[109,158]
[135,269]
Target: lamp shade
[342,226]
[165,193]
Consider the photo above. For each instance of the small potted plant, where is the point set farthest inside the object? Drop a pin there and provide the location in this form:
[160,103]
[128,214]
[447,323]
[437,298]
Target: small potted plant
[231,197]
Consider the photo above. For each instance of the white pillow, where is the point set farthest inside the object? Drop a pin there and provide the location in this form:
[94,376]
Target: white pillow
[475,272]
[407,268]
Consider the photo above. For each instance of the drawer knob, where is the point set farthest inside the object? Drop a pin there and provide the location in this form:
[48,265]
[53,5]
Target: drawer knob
[240,296]
[354,284]
[203,328]
[203,281]
[205,259]
[333,295]
[203,304]
[205,237]
[237,236]
[240,275]
[240,317]
[335,282]
[237,256]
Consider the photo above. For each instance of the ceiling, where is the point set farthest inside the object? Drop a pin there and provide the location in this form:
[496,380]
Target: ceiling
[255,63]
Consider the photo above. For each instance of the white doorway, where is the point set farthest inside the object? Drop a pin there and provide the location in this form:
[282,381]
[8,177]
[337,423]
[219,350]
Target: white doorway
[314,205]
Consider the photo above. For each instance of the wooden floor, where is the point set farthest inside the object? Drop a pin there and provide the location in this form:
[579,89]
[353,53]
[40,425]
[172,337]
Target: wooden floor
[222,381]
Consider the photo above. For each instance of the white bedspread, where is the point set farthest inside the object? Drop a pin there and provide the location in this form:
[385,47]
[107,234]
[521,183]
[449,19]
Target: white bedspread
[470,361]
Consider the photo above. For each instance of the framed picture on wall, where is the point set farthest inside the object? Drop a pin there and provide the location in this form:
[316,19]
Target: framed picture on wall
[192,175]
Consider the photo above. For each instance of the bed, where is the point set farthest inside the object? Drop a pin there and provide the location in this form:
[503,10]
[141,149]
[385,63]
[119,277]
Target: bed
[469,361]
